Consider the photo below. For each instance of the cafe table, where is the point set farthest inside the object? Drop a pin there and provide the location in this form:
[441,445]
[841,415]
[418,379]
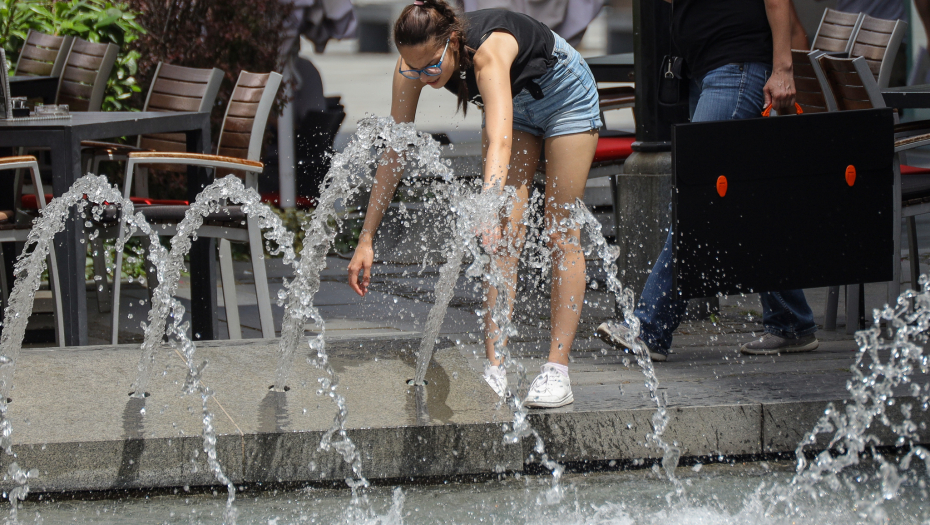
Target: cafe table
[917,96]
[45,88]
[612,68]
[63,137]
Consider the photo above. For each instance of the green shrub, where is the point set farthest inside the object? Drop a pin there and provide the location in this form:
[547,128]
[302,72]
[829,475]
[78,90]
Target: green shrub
[96,21]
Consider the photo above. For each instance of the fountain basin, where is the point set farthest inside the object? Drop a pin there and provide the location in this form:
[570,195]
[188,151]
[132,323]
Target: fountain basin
[75,423]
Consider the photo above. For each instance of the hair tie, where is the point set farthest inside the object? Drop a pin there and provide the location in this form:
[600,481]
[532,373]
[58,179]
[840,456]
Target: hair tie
[418,2]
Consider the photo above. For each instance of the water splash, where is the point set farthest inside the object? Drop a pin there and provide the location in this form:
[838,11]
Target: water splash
[28,270]
[850,432]
[211,200]
[348,170]
[625,299]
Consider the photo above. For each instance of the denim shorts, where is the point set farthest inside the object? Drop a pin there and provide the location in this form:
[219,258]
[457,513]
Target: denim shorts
[570,103]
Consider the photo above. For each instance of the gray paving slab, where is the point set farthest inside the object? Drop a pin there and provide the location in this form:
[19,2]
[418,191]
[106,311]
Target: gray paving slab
[75,423]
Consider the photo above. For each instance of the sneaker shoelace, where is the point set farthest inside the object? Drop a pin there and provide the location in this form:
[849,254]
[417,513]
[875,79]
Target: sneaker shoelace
[542,381]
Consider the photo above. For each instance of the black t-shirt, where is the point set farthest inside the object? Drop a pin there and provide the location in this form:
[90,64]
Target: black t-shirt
[712,33]
[534,39]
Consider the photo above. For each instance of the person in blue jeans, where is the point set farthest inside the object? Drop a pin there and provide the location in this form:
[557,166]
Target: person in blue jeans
[739,55]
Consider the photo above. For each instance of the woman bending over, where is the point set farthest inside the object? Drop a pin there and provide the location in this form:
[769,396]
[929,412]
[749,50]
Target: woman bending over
[535,92]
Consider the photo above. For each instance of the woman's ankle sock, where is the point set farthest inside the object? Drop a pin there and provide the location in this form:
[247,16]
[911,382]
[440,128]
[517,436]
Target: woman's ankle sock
[562,369]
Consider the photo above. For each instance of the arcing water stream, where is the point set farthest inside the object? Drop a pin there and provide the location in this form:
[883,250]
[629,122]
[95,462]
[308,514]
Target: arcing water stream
[779,500]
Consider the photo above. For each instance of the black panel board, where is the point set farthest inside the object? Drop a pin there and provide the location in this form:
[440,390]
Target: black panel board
[788,219]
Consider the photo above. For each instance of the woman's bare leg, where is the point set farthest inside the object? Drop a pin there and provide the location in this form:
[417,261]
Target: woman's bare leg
[523,162]
[568,160]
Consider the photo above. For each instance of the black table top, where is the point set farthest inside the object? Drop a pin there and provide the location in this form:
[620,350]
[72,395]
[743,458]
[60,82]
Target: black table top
[612,68]
[917,96]
[81,119]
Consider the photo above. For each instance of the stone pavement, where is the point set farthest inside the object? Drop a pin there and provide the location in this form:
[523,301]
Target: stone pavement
[74,422]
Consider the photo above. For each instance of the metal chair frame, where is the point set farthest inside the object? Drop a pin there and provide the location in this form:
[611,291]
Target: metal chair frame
[21,234]
[251,233]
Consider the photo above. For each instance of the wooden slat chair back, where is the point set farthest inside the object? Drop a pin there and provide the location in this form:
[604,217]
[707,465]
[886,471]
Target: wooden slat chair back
[177,88]
[43,55]
[879,41]
[85,75]
[246,115]
[850,83]
[834,35]
[809,93]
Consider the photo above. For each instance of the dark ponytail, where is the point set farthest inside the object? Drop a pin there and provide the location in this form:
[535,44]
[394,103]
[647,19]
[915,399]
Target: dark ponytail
[428,20]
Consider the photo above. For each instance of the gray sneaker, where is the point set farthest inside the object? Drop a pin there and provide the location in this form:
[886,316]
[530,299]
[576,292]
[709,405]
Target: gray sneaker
[620,336]
[771,344]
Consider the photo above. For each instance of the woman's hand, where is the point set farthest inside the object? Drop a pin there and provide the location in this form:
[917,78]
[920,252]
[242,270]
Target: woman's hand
[779,91]
[490,237]
[362,260]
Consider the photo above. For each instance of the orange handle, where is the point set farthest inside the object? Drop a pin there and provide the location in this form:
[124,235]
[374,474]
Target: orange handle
[768,110]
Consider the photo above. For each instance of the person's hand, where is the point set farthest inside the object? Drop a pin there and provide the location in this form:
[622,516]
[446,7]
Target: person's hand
[491,237]
[779,91]
[361,262]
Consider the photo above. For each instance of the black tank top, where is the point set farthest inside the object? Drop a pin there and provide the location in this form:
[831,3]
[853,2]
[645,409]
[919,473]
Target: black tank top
[534,58]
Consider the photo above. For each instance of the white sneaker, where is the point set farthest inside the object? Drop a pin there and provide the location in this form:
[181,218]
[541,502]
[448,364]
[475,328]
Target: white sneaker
[550,389]
[496,376]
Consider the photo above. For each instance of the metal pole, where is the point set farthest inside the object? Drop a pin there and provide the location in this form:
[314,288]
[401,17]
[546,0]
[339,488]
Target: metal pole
[643,191]
[287,186]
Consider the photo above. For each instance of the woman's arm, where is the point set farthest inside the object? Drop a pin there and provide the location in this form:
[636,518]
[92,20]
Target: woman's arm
[405,93]
[492,70]
[798,36]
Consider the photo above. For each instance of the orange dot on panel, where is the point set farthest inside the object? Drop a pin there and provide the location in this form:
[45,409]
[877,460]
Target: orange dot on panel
[850,174]
[721,185]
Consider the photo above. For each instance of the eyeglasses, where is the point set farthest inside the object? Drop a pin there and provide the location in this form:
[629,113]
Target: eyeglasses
[430,71]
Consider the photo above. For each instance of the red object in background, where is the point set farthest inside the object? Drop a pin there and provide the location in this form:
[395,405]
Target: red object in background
[273,198]
[613,148]
[29,201]
[914,170]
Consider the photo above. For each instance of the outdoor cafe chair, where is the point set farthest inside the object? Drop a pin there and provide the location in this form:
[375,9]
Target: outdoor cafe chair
[174,88]
[849,84]
[836,30]
[84,79]
[43,55]
[13,230]
[878,41]
[239,150]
